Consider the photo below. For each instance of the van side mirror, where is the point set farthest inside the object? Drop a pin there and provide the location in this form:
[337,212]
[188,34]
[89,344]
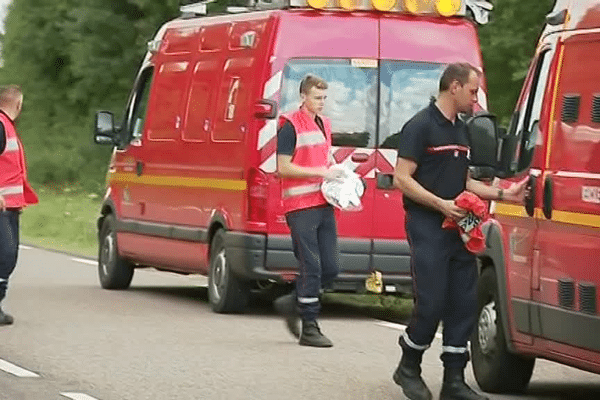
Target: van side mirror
[265,109]
[105,128]
[483,138]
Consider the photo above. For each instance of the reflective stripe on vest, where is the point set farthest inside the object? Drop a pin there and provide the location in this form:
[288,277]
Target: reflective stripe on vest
[310,139]
[12,145]
[301,190]
[6,190]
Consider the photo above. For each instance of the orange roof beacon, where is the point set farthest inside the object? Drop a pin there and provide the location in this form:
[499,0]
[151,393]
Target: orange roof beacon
[191,185]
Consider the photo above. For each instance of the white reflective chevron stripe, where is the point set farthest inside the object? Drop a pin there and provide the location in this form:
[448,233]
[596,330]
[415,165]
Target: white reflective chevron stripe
[412,344]
[12,145]
[306,300]
[310,139]
[270,164]
[11,190]
[454,350]
[300,190]
[272,85]
[268,132]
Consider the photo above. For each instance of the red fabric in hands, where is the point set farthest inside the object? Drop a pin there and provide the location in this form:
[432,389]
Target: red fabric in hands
[474,239]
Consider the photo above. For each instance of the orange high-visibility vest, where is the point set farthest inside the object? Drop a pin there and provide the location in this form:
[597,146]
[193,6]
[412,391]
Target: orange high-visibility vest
[312,150]
[14,187]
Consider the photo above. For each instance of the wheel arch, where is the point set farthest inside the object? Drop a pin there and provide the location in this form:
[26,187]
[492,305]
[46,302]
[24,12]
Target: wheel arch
[493,257]
[107,207]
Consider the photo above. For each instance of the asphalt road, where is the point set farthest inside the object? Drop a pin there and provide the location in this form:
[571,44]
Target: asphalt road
[160,340]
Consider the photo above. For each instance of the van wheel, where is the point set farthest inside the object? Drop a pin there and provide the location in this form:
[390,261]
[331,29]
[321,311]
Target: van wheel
[496,369]
[114,271]
[226,292]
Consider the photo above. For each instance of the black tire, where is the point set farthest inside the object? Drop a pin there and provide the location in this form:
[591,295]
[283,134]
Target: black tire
[226,292]
[496,369]
[114,271]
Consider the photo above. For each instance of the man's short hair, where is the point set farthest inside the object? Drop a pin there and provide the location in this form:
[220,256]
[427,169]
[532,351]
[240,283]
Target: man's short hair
[9,94]
[310,81]
[456,72]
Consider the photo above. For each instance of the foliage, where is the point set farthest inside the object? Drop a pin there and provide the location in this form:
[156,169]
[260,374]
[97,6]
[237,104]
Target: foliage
[73,57]
[508,44]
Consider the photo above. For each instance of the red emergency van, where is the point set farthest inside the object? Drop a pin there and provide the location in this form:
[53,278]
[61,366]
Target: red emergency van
[538,289]
[192,186]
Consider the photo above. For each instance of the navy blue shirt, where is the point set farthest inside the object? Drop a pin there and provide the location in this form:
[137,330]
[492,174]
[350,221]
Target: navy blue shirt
[441,150]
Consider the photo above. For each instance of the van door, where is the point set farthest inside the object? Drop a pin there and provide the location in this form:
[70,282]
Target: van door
[351,105]
[405,88]
[569,234]
[520,224]
[126,192]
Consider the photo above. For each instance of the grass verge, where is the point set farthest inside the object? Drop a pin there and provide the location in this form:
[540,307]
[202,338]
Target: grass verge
[64,220]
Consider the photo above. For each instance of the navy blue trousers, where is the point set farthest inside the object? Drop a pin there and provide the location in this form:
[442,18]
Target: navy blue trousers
[314,238]
[444,288]
[9,247]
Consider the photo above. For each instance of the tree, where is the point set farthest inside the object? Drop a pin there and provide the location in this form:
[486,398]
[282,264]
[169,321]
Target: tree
[508,44]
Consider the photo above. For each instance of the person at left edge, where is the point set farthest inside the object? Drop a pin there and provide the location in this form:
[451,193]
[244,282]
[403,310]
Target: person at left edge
[15,191]
[303,158]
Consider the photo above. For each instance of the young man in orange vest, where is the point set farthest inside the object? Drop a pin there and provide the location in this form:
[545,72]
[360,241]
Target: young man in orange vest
[303,157]
[15,192]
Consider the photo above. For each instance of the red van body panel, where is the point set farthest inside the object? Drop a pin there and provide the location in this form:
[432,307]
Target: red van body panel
[199,160]
[547,263]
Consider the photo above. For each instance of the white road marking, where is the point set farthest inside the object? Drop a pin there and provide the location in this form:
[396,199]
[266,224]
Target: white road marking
[84,261]
[78,396]
[23,247]
[400,327]
[16,371]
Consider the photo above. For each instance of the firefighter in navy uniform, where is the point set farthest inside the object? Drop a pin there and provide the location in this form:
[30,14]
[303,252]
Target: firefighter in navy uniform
[303,158]
[431,171]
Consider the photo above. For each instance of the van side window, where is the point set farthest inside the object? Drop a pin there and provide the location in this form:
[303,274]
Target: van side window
[351,103]
[527,129]
[136,114]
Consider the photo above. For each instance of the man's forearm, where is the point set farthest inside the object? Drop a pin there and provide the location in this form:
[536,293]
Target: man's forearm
[484,191]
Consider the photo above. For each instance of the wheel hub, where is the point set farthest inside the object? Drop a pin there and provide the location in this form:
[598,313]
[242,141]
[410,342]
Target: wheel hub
[218,275]
[487,328]
[107,253]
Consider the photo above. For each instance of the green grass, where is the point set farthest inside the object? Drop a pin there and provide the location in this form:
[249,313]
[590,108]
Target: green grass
[64,220]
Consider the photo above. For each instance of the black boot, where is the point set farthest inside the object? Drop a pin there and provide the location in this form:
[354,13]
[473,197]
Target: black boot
[311,335]
[287,306]
[455,388]
[408,375]
[5,319]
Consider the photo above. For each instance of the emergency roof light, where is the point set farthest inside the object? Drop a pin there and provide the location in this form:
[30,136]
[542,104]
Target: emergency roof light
[478,10]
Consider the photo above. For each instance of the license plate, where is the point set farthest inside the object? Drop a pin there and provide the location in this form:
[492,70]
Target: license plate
[469,222]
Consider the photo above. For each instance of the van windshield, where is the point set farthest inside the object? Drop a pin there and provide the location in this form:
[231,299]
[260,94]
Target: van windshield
[405,87]
[351,97]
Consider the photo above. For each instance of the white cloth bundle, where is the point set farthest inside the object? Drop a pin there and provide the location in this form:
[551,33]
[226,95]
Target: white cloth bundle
[344,192]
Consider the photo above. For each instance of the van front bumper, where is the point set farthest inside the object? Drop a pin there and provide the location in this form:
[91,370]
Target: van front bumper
[271,257]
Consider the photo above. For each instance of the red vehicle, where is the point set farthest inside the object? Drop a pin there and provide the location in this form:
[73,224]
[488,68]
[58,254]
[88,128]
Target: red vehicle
[538,289]
[192,185]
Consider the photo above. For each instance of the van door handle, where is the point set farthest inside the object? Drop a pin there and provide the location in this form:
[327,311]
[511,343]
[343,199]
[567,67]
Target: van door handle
[385,181]
[360,157]
[139,168]
[548,196]
[530,198]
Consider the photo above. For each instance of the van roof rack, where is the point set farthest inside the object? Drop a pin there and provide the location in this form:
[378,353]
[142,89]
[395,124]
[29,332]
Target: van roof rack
[477,10]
